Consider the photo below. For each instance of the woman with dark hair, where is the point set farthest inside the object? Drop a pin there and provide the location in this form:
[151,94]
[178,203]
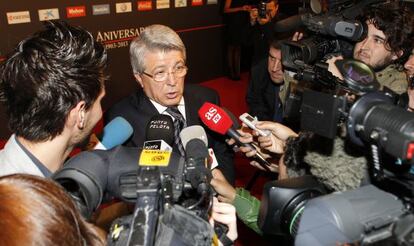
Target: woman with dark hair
[37,211]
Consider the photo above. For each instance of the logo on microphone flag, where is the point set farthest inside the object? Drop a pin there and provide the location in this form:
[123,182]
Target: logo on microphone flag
[154,158]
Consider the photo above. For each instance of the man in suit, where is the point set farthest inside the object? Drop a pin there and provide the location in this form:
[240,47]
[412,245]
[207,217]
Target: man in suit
[266,82]
[158,59]
[52,86]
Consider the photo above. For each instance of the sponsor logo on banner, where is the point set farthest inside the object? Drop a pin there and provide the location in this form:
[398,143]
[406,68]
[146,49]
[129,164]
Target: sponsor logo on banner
[48,14]
[18,17]
[101,9]
[180,3]
[119,38]
[211,1]
[76,11]
[144,5]
[123,7]
[196,2]
[163,4]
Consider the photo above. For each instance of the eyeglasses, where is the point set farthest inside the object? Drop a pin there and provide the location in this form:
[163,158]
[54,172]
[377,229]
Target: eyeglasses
[161,76]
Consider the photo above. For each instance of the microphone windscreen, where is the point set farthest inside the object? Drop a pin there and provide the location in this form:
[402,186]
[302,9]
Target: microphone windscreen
[160,127]
[196,148]
[215,118]
[116,132]
[193,132]
[233,118]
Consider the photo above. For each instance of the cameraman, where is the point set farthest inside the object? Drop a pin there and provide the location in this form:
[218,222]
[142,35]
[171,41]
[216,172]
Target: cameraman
[386,46]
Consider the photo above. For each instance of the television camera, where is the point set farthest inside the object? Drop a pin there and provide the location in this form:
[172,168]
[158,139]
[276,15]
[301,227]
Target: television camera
[378,213]
[172,195]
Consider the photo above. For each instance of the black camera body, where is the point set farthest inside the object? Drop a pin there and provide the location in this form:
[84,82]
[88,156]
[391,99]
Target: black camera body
[376,213]
[262,9]
[165,197]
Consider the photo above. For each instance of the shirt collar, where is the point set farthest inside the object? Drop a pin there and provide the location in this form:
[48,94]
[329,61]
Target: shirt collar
[162,109]
[43,169]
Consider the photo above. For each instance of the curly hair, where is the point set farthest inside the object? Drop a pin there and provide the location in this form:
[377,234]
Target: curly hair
[47,75]
[397,22]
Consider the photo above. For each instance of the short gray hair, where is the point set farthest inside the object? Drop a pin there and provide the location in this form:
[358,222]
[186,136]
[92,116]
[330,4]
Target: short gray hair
[153,38]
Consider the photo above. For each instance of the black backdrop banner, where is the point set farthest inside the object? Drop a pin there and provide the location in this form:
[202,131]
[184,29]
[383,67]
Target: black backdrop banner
[115,23]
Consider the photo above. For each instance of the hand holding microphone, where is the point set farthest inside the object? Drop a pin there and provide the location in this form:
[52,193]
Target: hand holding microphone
[275,142]
[217,120]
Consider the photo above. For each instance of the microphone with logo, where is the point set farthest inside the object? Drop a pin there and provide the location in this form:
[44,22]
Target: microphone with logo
[156,154]
[159,133]
[115,133]
[217,120]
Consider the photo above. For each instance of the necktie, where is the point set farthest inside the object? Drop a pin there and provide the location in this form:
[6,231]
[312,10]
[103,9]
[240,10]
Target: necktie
[179,124]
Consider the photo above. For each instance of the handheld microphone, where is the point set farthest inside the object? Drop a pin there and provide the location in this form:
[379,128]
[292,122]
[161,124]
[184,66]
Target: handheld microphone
[115,133]
[217,120]
[159,133]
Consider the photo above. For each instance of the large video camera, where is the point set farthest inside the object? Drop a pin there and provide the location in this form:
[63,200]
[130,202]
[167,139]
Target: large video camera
[172,195]
[299,207]
[367,215]
[334,31]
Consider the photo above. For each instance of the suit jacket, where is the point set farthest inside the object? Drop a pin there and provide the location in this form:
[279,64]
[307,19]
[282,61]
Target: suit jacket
[262,92]
[137,109]
[13,160]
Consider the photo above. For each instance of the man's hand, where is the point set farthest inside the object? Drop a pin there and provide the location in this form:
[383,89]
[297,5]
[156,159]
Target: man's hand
[226,214]
[226,192]
[297,36]
[333,68]
[254,14]
[273,166]
[275,142]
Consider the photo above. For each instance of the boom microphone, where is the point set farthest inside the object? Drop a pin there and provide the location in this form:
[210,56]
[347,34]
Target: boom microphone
[115,133]
[217,120]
